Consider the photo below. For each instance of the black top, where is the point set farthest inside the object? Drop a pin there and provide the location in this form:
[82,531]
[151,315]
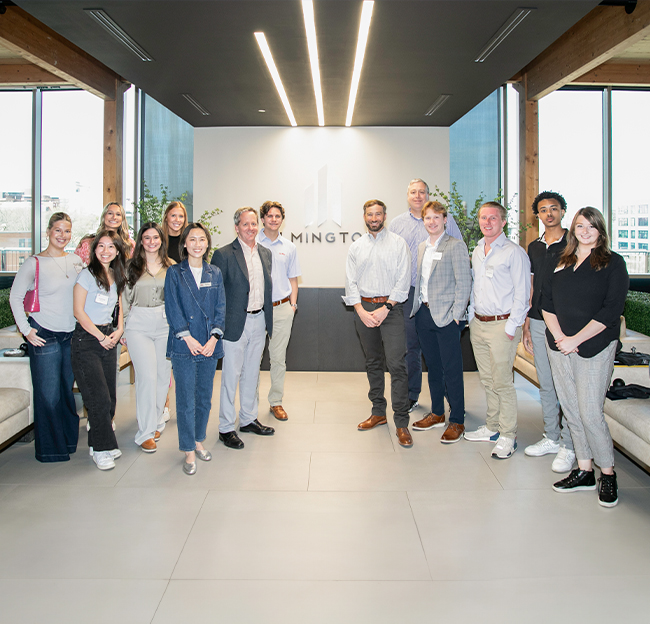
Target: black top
[577,297]
[173,247]
[541,257]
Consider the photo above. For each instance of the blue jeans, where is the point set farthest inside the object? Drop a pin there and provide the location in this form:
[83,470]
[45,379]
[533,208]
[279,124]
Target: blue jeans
[194,381]
[56,424]
[413,351]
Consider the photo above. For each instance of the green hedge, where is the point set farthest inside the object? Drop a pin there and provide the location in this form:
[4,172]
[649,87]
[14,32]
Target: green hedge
[6,317]
[637,312]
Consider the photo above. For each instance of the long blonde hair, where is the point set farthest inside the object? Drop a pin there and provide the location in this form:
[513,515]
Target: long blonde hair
[122,231]
[174,204]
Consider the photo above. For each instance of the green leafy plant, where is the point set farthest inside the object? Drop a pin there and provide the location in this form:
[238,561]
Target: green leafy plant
[6,317]
[467,219]
[637,312]
[206,219]
[151,207]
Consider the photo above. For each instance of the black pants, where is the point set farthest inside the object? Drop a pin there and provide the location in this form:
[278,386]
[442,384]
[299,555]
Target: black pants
[95,370]
[385,346]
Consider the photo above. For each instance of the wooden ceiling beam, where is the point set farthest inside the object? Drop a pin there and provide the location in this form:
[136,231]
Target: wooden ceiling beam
[602,34]
[35,42]
[27,74]
[620,74]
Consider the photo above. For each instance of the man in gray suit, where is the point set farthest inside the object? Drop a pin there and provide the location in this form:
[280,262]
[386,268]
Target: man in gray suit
[442,289]
[246,270]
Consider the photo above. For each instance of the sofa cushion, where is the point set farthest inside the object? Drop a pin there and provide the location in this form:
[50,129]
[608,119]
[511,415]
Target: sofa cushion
[633,414]
[12,401]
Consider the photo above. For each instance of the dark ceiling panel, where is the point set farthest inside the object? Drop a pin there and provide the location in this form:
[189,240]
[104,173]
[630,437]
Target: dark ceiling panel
[417,50]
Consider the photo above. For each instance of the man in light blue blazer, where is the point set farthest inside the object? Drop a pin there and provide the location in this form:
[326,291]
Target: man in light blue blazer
[442,289]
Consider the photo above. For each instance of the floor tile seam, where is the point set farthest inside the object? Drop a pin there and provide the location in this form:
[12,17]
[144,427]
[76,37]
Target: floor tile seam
[187,537]
[133,463]
[487,463]
[417,528]
[160,601]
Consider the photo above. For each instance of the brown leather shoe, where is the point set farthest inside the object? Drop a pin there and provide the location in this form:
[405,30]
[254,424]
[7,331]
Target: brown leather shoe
[404,437]
[278,412]
[430,421]
[453,433]
[156,435]
[371,423]
[149,446]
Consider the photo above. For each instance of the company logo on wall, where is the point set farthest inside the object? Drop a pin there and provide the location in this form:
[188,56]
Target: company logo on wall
[323,203]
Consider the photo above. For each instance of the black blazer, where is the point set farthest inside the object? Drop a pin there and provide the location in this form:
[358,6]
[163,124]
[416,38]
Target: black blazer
[230,259]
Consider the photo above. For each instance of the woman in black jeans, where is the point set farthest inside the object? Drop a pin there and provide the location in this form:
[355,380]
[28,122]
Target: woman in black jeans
[94,353]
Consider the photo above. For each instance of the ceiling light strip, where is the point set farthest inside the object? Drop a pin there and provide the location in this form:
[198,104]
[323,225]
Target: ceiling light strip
[270,63]
[513,21]
[437,104]
[364,28]
[310,28]
[103,19]
[193,102]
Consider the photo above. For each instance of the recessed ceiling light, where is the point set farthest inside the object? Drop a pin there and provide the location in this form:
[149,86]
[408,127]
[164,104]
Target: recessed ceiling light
[364,28]
[513,21]
[310,28]
[437,104]
[270,63]
[193,102]
[108,24]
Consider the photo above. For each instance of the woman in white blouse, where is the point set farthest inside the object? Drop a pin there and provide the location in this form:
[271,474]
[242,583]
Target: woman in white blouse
[146,331]
[48,333]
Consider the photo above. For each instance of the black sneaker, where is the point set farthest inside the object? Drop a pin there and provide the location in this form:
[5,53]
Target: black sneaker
[576,481]
[413,403]
[607,490]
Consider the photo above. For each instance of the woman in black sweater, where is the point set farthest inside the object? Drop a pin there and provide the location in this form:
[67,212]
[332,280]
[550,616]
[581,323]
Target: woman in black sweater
[582,303]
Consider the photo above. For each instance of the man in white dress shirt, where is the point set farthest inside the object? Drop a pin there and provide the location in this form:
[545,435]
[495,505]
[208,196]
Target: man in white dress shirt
[410,227]
[376,284]
[285,273]
[497,310]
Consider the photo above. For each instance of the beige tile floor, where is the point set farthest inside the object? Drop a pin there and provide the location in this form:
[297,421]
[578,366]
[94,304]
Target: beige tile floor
[320,523]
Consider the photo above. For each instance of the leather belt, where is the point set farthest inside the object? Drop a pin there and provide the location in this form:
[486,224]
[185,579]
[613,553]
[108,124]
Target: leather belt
[254,311]
[487,319]
[375,299]
[277,303]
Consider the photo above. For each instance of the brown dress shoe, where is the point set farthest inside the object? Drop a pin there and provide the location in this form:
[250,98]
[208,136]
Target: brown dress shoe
[430,421]
[371,423]
[156,436]
[278,412]
[453,433]
[149,446]
[404,437]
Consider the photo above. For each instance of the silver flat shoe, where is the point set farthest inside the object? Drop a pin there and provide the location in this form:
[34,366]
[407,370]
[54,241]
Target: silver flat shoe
[203,455]
[189,468]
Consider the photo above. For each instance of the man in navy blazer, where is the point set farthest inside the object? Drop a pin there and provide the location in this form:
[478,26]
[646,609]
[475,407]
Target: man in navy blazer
[246,270]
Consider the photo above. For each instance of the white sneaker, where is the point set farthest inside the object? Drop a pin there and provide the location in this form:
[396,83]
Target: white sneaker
[504,448]
[482,434]
[543,447]
[166,414]
[115,453]
[103,460]
[563,461]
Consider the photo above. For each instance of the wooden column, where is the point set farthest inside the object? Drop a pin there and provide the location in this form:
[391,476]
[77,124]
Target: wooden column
[113,144]
[528,162]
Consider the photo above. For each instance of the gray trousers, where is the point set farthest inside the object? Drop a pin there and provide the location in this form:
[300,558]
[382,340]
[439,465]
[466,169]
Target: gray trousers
[581,384]
[146,331]
[550,405]
[241,366]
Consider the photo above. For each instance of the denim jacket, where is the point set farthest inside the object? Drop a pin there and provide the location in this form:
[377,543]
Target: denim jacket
[199,312]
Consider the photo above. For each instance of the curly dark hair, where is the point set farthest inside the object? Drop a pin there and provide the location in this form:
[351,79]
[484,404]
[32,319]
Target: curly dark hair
[138,264]
[548,195]
[267,205]
[96,268]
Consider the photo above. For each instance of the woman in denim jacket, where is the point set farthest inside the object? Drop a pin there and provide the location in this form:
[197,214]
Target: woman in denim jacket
[195,304]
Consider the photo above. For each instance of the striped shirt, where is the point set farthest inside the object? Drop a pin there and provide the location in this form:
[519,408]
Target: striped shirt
[377,267]
[412,230]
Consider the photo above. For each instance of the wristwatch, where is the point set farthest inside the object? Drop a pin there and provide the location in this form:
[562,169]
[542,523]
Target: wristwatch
[389,306]
[295,307]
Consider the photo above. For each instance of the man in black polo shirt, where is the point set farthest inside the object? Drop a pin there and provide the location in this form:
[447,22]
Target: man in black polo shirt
[543,253]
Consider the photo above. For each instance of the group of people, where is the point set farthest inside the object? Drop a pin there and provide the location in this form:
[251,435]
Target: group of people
[413,291]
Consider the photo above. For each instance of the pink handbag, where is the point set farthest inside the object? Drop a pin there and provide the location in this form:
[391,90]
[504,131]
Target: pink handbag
[31,302]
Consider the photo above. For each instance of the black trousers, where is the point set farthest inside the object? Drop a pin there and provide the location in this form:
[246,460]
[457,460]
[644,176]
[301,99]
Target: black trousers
[95,370]
[385,346]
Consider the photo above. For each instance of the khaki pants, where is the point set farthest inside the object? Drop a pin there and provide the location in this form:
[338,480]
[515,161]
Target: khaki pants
[282,323]
[495,355]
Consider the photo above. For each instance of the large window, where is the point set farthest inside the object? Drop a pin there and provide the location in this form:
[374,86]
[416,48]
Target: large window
[15,178]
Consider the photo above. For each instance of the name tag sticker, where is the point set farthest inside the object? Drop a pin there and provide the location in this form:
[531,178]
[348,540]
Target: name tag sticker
[205,285]
[437,255]
[101,299]
[489,271]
